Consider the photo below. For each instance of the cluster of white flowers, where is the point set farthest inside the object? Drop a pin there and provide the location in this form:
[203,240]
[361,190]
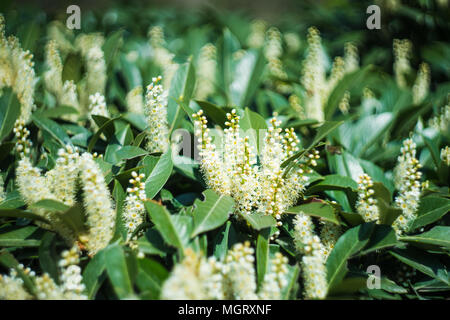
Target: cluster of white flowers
[71,287]
[21,132]
[422,84]
[57,184]
[234,170]
[344,104]
[314,80]
[441,121]
[275,279]
[71,278]
[97,106]
[329,234]
[162,57]
[135,100]
[402,53]
[12,288]
[134,210]
[16,72]
[407,182]
[239,273]
[257,34]
[155,110]
[197,277]
[62,179]
[100,211]
[314,257]
[366,205]
[206,71]
[65,93]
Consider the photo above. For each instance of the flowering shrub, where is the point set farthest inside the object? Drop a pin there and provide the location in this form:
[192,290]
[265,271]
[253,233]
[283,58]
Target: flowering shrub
[244,161]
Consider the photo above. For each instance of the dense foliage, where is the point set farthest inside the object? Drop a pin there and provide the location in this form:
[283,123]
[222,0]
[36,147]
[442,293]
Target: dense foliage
[155,154]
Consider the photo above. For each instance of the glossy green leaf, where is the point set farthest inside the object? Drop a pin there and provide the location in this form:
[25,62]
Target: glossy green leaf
[352,241]
[212,212]
[316,209]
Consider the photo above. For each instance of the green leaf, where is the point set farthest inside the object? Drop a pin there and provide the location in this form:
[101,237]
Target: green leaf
[349,285]
[57,112]
[108,125]
[383,236]
[259,220]
[247,77]
[226,45]
[47,255]
[254,127]
[50,205]
[53,128]
[112,45]
[93,274]
[172,230]
[334,182]
[439,236]
[72,68]
[10,108]
[347,245]
[424,262]
[117,270]
[128,152]
[151,276]
[181,88]
[212,212]
[221,242]
[316,209]
[74,218]
[159,175]
[18,237]
[17,213]
[431,209]
[262,255]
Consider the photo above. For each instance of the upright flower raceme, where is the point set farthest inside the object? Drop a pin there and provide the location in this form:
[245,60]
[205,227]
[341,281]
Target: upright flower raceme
[402,53]
[155,111]
[134,210]
[422,84]
[233,170]
[98,204]
[407,182]
[367,204]
[313,259]
[318,86]
[16,72]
